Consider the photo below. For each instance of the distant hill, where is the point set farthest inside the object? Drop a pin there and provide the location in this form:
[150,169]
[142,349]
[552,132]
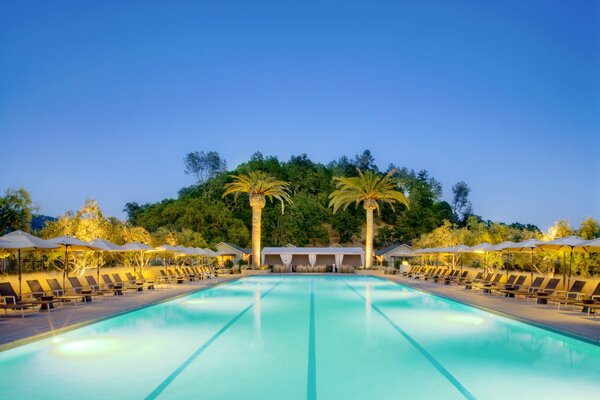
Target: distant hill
[39,221]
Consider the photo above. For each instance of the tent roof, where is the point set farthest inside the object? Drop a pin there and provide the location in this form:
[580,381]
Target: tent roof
[397,249]
[314,250]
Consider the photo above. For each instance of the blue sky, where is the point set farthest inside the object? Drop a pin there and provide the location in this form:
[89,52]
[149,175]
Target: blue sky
[104,100]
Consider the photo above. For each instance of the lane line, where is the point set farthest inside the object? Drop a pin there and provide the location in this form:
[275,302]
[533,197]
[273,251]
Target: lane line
[311,384]
[451,378]
[169,379]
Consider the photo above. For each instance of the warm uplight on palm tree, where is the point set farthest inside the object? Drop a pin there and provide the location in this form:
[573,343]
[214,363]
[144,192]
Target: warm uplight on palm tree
[259,186]
[370,189]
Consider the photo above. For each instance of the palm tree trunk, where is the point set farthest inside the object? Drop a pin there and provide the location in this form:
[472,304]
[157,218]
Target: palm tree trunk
[256,233]
[369,239]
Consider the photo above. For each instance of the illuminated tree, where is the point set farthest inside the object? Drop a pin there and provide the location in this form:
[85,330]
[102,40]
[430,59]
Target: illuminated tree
[259,186]
[370,189]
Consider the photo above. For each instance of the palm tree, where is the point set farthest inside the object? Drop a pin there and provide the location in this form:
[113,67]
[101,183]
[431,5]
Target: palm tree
[259,186]
[371,189]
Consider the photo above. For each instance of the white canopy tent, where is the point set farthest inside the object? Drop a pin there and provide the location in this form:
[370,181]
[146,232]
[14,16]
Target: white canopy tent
[289,256]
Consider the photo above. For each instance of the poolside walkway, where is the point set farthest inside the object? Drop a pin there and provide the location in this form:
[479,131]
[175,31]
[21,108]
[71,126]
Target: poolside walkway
[15,330]
[566,320]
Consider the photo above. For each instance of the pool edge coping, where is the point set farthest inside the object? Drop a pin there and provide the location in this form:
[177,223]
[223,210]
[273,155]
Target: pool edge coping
[524,320]
[45,335]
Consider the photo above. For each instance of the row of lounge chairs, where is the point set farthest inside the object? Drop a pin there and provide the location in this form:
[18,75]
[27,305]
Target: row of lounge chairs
[80,292]
[514,287]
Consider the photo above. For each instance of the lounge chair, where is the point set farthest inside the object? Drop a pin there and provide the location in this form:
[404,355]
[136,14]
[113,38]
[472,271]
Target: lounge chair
[589,303]
[528,290]
[470,282]
[477,283]
[454,276]
[127,285]
[542,295]
[119,288]
[9,300]
[486,287]
[509,289]
[60,294]
[498,286]
[87,292]
[140,284]
[38,293]
[177,278]
[440,275]
[570,297]
[150,283]
[99,288]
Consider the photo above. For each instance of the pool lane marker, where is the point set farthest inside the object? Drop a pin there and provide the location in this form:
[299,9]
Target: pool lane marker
[311,384]
[163,385]
[455,382]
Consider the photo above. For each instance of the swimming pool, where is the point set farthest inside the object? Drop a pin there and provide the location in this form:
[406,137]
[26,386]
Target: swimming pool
[304,337]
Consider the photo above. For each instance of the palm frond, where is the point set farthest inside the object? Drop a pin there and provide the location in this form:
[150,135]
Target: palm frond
[366,186]
[259,183]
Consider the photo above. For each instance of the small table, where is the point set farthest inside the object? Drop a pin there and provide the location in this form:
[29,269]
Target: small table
[87,295]
[47,304]
[542,298]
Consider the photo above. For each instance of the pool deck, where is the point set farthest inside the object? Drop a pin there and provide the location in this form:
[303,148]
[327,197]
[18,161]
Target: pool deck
[566,321]
[16,331]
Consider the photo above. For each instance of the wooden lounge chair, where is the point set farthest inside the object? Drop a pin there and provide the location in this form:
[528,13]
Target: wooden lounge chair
[9,300]
[542,295]
[570,297]
[60,294]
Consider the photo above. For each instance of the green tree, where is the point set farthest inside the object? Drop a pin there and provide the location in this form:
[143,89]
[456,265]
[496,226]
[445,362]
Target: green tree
[589,229]
[258,186]
[15,210]
[369,189]
[461,206]
[204,165]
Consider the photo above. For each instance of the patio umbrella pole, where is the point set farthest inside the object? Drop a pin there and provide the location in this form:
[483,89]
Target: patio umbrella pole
[98,270]
[65,270]
[19,267]
[531,269]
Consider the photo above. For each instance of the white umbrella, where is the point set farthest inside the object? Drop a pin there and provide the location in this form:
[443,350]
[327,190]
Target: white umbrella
[104,245]
[166,249]
[70,242]
[591,246]
[140,248]
[564,244]
[484,248]
[502,248]
[19,240]
[526,246]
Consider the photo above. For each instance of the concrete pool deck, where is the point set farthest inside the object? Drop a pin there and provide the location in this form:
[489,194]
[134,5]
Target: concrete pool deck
[566,321]
[15,331]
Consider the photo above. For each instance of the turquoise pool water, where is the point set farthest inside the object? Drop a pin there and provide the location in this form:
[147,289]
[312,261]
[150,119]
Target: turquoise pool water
[304,337]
